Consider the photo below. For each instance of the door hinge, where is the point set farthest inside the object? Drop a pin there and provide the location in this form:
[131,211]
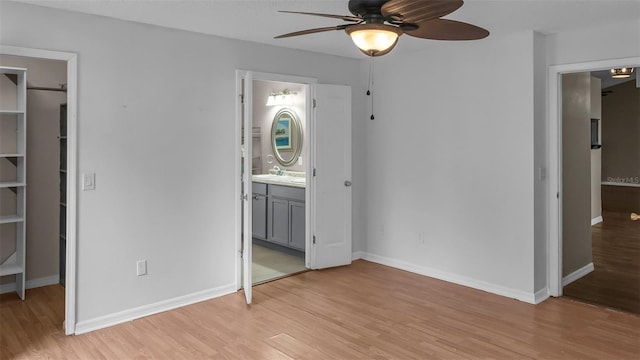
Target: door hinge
[557,195]
[314,239]
[314,103]
[241,98]
[244,197]
[314,171]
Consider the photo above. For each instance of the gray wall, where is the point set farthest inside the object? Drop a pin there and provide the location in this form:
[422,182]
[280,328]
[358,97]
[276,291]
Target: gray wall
[43,113]
[621,134]
[576,172]
[451,159]
[540,156]
[156,110]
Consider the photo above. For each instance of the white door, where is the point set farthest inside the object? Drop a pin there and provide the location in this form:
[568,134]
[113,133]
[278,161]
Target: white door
[332,190]
[247,231]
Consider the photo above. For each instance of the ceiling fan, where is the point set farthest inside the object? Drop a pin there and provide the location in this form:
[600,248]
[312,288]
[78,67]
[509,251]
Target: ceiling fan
[376,24]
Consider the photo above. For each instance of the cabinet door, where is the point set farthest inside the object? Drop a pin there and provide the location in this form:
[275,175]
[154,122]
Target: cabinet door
[297,236]
[259,217]
[278,220]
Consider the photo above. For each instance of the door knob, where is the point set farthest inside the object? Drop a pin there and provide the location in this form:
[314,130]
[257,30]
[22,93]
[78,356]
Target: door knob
[347,183]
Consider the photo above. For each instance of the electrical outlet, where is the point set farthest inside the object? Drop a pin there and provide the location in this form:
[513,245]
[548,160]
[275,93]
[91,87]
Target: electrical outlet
[141,267]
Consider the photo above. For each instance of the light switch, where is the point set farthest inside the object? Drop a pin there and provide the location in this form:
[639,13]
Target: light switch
[141,267]
[88,181]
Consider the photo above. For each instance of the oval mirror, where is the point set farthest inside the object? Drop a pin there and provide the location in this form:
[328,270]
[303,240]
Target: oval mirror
[286,137]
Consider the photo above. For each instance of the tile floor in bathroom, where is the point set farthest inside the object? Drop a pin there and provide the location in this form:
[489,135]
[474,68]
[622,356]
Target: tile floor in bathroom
[269,264]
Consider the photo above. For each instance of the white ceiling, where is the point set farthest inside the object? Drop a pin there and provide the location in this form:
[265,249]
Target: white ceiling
[608,81]
[259,21]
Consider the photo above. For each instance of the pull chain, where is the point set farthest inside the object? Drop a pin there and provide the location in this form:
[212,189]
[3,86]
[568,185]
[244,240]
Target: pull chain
[369,92]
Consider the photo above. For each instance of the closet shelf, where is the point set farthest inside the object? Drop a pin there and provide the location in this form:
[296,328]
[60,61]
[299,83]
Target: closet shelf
[10,269]
[10,184]
[10,219]
[15,264]
[11,112]
[11,155]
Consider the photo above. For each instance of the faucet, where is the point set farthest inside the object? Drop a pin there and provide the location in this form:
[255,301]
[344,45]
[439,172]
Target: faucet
[278,170]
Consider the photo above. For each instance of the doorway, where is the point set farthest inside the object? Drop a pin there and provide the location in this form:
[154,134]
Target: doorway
[64,212]
[309,207]
[279,154]
[613,275]
[557,277]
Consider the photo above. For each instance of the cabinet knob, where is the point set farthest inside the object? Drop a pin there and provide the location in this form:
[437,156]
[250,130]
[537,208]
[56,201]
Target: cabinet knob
[347,183]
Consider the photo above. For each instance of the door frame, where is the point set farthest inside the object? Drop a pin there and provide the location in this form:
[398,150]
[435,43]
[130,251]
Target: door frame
[554,136]
[72,158]
[309,123]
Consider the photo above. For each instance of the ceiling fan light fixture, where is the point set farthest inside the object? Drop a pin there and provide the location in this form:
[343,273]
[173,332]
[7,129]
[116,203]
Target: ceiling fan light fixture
[621,73]
[374,39]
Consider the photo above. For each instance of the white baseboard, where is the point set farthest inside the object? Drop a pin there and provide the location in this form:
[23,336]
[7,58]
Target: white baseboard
[577,274]
[146,310]
[541,295]
[454,278]
[31,284]
[357,255]
[596,220]
[612,183]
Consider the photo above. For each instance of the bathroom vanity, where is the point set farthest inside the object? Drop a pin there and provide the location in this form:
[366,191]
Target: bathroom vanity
[279,210]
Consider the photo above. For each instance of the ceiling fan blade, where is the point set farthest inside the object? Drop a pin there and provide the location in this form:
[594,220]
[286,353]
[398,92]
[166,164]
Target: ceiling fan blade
[442,29]
[311,31]
[341,17]
[417,11]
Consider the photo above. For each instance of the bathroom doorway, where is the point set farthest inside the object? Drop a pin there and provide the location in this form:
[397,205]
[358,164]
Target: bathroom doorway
[304,192]
[279,150]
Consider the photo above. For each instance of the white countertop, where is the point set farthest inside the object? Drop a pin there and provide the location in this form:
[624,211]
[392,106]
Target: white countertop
[294,181]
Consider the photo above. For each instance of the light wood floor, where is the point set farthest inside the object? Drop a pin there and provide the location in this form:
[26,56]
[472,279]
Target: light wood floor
[362,311]
[615,282]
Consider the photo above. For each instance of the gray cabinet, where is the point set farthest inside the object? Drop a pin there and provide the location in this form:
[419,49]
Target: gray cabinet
[279,214]
[278,220]
[259,212]
[296,214]
[259,216]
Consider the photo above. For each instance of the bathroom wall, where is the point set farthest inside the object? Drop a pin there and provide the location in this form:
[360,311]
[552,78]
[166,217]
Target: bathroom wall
[43,191]
[263,117]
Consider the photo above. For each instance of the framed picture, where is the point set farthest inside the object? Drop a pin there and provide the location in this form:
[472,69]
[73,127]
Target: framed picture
[282,133]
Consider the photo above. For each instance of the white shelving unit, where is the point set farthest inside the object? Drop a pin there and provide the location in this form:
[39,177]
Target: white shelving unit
[13,135]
